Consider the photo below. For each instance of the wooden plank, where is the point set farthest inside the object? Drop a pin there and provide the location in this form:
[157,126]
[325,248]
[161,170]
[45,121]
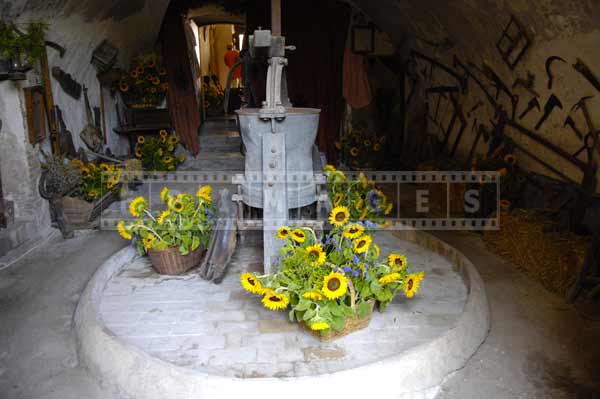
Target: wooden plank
[49,102]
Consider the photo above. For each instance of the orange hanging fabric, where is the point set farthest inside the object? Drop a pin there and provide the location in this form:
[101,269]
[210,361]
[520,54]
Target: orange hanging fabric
[357,90]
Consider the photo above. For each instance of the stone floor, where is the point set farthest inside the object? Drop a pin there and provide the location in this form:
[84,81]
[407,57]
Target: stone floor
[222,329]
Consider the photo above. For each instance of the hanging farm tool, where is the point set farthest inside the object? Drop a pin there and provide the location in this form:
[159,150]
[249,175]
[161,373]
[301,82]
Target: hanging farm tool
[532,104]
[553,102]
[91,134]
[587,73]
[549,62]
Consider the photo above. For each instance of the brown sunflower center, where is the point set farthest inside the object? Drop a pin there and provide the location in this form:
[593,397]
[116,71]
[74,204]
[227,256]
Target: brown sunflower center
[251,281]
[274,299]
[299,234]
[333,284]
[313,253]
[398,262]
[410,284]
[353,230]
[339,216]
[361,244]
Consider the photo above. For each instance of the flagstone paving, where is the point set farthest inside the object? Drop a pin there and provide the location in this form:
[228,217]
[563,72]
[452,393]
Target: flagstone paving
[223,330]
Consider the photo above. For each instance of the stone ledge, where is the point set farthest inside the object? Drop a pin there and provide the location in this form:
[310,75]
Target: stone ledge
[417,373]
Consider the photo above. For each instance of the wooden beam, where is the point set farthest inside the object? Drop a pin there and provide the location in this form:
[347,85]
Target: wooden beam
[276,17]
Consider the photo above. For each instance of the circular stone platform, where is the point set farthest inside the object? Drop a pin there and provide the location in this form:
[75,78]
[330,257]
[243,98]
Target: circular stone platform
[152,336]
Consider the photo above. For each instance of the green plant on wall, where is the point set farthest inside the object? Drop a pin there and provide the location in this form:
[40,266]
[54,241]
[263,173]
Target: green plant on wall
[29,44]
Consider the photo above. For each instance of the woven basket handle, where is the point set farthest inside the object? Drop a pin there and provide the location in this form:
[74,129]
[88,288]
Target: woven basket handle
[352,294]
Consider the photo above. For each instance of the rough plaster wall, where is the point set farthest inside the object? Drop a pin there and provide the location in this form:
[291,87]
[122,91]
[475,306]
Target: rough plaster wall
[19,165]
[567,28]
[222,37]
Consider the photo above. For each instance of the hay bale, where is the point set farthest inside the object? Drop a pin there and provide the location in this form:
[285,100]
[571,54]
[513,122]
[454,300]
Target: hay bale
[525,238]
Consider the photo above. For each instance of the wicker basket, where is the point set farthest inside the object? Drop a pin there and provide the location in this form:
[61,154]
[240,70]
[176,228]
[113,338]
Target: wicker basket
[170,261]
[353,323]
[80,213]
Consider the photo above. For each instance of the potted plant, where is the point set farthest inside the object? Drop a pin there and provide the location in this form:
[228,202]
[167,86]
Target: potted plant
[23,49]
[362,198]
[145,85]
[360,149]
[175,238]
[158,153]
[98,187]
[331,282]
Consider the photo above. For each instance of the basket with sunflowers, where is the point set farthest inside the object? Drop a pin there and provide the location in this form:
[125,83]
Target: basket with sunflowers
[364,201]
[145,85]
[360,149]
[98,187]
[176,237]
[331,282]
[158,153]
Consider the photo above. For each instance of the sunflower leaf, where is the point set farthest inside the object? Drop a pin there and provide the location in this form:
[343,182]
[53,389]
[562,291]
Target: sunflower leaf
[338,323]
[309,314]
[291,315]
[363,309]
[302,305]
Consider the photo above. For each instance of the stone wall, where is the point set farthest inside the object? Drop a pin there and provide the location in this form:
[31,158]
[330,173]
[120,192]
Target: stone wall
[470,29]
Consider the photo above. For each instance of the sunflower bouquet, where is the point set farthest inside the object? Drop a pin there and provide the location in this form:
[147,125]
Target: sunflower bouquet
[327,281]
[157,153]
[186,223]
[363,200]
[214,95]
[360,149]
[96,180]
[145,85]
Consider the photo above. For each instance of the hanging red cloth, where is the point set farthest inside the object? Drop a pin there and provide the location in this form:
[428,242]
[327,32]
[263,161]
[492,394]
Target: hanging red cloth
[357,90]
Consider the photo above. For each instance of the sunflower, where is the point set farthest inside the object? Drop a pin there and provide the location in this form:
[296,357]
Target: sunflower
[161,218]
[204,193]
[85,171]
[149,77]
[319,325]
[77,163]
[148,241]
[316,255]
[377,147]
[122,232]
[389,278]
[153,90]
[397,261]
[362,243]
[388,208]
[137,206]
[151,63]
[298,235]
[162,71]
[376,250]
[505,204]
[181,158]
[168,159]
[156,81]
[411,285]
[139,69]
[104,167]
[138,152]
[313,296]
[353,230]
[338,145]
[160,152]
[334,285]
[367,143]
[275,301]
[124,87]
[354,151]
[173,139]
[177,205]
[364,213]
[510,159]
[251,284]
[359,204]
[339,216]
[141,139]
[502,172]
[283,232]
[134,74]
[163,133]
[163,140]
[170,148]
[337,199]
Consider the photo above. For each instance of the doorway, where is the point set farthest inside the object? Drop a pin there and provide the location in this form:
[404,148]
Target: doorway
[217,52]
